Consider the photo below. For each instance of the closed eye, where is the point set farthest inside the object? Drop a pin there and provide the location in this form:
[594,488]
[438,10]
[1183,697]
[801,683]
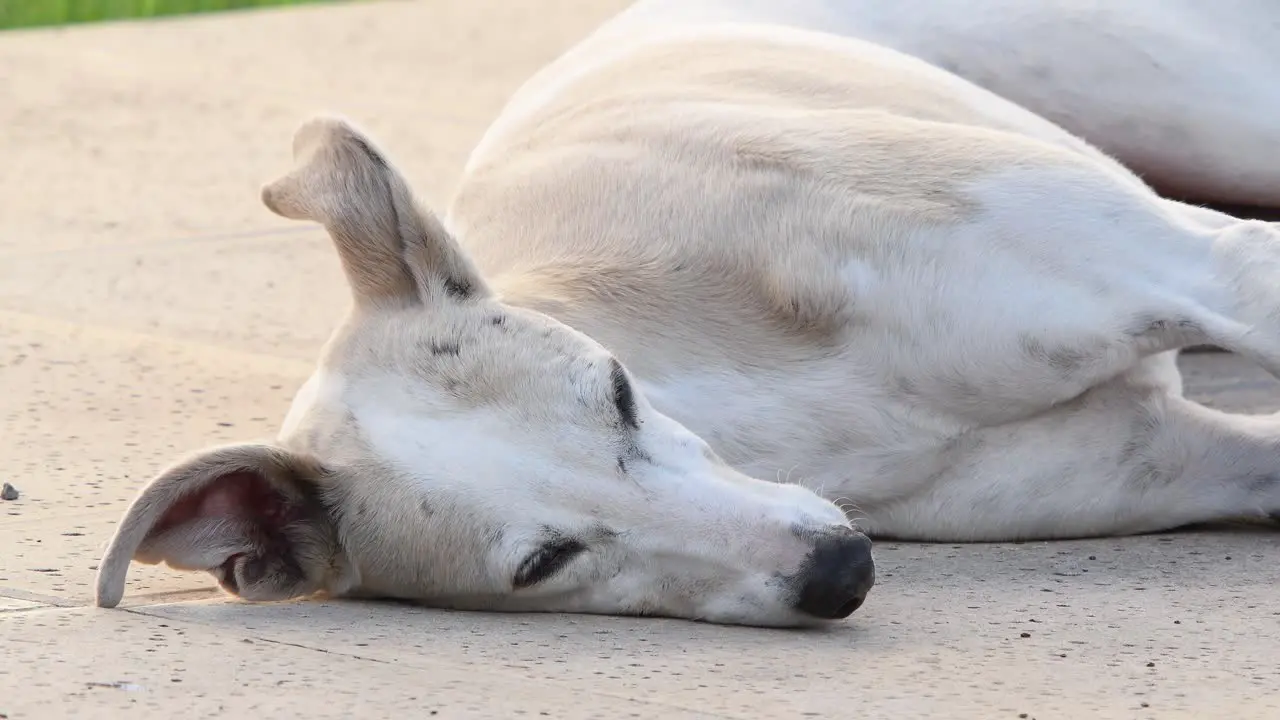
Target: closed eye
[623,396]
[547,561]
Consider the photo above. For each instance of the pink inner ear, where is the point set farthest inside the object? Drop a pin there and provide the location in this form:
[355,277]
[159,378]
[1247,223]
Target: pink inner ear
[240,496]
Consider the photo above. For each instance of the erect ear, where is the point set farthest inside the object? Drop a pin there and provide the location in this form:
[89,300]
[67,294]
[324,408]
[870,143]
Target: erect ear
[393,249]
[247,514]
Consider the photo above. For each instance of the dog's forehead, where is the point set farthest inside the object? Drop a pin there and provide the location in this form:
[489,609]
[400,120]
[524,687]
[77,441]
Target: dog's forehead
[445,363]
[488,338]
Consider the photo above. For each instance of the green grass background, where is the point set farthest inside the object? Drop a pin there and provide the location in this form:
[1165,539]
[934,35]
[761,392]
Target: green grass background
[32,13]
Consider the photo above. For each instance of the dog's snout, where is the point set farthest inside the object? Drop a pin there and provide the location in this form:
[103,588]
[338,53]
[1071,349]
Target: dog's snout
[836,576]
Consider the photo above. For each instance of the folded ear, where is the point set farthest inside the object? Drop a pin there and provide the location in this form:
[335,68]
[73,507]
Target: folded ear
[393,249]
[247,514]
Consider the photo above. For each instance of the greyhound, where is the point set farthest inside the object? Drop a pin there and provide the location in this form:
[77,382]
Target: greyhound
[716,301]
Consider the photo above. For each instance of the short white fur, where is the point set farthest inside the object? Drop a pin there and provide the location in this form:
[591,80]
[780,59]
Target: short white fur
[850,274]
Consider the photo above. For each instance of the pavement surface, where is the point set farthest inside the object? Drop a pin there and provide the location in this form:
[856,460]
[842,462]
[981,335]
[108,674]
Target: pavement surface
[149,305]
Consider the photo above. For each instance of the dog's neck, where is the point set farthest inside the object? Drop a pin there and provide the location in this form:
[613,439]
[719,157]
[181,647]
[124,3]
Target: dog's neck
[628,313]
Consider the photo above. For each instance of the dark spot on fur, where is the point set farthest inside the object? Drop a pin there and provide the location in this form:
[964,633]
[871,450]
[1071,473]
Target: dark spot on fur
[965,390]
[1147,473]
[498,320]
[425,507]
[623,396]
[1265,483]
[362,509]
[554,554]
[493,536]
[635,453]
[457,289]
[1065,360]
[1182,328]
[630,452]
[1068,360]
[905,386]
[445,347]
[603,532]
[374,155]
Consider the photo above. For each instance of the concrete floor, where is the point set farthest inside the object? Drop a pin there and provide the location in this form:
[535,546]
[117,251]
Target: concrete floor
[149,305]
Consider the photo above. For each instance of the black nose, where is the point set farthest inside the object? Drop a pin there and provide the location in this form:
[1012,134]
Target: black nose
[836,576]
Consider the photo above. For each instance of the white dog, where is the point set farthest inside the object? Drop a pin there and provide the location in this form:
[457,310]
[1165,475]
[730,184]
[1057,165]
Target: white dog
[712,248]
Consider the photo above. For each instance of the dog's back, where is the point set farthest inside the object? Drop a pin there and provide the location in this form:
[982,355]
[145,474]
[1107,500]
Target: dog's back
[695,112]
[1180,91]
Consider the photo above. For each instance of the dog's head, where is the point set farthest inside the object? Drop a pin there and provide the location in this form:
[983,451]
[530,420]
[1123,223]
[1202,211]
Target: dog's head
[462,452]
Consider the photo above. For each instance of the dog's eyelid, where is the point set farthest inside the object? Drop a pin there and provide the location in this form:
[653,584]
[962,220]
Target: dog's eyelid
[547,560]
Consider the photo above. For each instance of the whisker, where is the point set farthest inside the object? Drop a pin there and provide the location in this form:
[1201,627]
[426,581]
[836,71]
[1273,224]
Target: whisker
[846,504]
[852,511]
[786,480]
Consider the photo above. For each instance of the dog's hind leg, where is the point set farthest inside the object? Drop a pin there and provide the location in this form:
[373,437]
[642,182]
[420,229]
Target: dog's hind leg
[1042,328]
[1065,279]
[1126,457]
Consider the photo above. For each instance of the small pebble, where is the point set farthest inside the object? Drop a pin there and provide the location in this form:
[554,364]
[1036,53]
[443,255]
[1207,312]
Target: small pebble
[1025,635]
[8,492]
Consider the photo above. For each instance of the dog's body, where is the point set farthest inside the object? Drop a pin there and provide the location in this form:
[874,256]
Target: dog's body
[1182,92]
[839,264]
[834,263]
